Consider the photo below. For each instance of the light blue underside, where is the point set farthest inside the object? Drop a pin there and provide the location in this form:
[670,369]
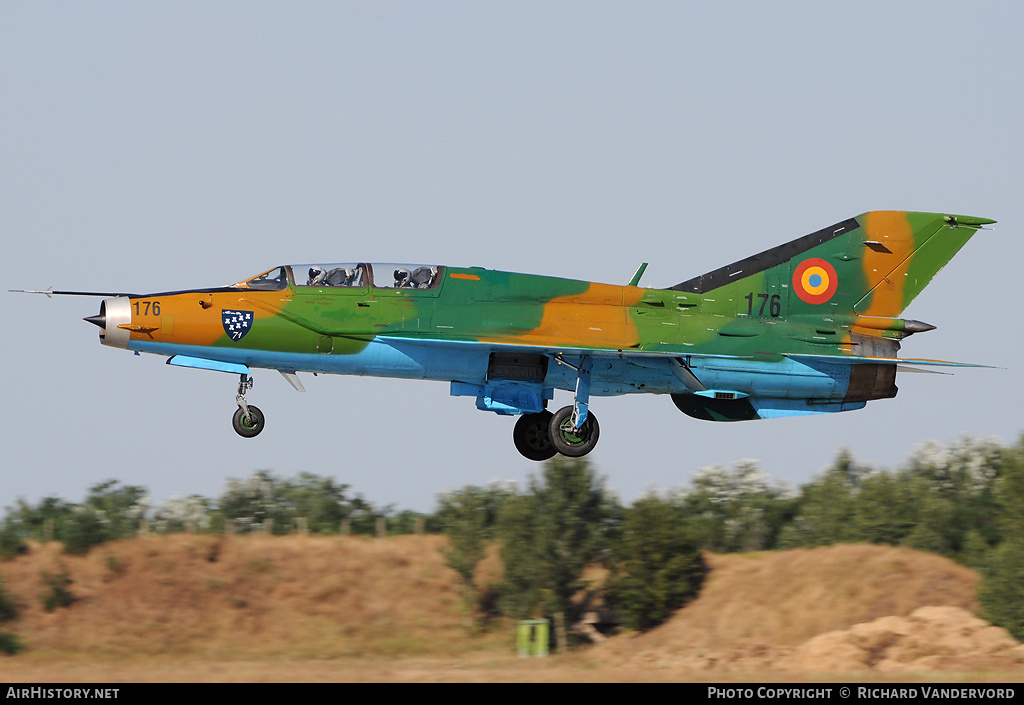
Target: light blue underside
[201,363]
[780,388]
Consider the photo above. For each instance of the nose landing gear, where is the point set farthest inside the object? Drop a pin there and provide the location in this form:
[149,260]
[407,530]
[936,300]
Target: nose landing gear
[248,420]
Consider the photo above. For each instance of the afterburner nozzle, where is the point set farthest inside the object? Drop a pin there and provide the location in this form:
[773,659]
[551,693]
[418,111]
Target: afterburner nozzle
[912,326]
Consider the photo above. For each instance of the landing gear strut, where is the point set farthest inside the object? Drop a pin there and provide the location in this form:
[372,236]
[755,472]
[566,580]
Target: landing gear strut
[248,420]
[572,430]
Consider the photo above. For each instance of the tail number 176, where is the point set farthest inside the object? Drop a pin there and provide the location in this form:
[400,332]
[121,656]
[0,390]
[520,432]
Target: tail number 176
[772,302]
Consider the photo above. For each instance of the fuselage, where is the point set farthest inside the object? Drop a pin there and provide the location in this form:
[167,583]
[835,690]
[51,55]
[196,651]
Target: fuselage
[811,326]
[450,331]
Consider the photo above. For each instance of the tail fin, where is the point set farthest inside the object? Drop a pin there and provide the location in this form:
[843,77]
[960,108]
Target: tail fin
[872,265]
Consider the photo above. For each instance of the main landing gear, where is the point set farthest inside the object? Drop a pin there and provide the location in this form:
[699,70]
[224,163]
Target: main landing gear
[572,430]
[569,440]
[543,435]
[533,437]
[248,420]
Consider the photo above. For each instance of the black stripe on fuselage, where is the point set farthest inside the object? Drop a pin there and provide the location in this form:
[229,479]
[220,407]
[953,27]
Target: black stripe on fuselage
[765,260]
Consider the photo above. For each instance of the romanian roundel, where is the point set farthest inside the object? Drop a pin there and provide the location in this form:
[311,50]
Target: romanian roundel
[815,281]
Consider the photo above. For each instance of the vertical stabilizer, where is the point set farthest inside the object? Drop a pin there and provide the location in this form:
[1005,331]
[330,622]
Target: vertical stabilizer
[872,265]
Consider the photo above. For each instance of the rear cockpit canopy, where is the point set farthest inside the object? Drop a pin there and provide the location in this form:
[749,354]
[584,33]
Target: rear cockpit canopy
[353,275]
[405,276]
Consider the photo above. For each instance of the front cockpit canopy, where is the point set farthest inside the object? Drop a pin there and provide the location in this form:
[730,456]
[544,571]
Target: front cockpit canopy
[275,279]
[351,275]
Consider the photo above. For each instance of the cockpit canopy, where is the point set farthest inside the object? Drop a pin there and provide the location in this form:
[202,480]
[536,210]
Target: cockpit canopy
[352,275]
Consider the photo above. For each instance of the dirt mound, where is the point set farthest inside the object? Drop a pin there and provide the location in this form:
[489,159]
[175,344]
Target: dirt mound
[822,609]
[260,599]
[243,596]
[930,639]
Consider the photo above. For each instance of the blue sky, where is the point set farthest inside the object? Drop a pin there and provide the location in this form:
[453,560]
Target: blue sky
[158,146]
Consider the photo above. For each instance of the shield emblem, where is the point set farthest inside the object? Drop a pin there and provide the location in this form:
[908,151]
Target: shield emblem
[236,323]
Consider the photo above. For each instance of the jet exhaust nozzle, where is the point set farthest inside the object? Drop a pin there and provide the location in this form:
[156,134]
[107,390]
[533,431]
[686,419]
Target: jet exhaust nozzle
[912,326]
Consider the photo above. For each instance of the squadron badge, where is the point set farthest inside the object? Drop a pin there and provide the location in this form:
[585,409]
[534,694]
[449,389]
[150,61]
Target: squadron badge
[236,323]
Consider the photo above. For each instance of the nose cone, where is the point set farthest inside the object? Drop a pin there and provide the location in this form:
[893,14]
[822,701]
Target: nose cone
[97,320]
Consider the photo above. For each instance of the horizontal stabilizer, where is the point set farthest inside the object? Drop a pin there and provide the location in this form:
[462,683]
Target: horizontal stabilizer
[861,360]
[906,368]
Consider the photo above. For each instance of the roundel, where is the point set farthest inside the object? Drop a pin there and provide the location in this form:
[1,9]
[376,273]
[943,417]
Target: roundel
[815,281]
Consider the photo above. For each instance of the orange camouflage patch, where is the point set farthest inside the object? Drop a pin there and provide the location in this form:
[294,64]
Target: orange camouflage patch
[884,263]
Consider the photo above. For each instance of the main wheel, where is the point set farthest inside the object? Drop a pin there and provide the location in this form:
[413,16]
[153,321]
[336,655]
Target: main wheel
[573,442]
[248,426]
[533,437]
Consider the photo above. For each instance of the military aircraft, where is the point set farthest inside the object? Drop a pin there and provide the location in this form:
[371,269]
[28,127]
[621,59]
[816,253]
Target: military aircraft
[808,327]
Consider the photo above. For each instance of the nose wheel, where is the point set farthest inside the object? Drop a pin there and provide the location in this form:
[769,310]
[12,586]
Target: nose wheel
[248,424]
[248,420]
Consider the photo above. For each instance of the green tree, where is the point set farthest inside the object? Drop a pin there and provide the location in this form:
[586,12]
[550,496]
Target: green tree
[520,593]
[59,593]
[489,498]
[323,502]
[9,643]
[885,508]
[179,514]
[655,564]
[248,504]
[1001,590]
[11,541]
[124,506]
[827,506]
[955,495]
[42,522]
[84,528]
[549,537]
[467,517]
[736,509]
[110,511]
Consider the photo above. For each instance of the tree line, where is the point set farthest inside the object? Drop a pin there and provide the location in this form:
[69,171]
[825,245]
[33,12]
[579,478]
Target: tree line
[961,500]
[261,502]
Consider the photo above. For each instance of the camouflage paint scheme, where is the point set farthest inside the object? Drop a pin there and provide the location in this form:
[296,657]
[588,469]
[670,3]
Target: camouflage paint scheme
[811,326]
